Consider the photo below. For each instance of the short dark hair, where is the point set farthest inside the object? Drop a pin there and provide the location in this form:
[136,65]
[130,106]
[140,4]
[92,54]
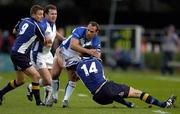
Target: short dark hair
[35,8]
[93,23]
[49,6]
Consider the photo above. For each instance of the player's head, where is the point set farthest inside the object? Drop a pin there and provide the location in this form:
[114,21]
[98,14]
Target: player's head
[37,12]
[50,12]
[92,30]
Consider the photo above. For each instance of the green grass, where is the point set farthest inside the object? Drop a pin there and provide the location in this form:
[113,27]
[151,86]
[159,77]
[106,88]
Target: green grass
[152,82]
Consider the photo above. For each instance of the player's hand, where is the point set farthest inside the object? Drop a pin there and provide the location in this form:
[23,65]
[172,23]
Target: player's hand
[48,42]
[94,53]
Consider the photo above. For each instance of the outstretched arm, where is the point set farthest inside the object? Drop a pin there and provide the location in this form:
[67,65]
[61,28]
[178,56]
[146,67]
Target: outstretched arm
[75,45]
[60,36]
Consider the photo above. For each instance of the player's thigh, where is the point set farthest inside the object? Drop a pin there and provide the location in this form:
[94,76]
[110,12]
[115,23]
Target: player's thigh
[33,73]
[56,69]
[60,61]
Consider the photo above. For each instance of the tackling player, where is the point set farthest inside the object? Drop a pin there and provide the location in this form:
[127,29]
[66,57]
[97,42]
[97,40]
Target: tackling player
[91,72]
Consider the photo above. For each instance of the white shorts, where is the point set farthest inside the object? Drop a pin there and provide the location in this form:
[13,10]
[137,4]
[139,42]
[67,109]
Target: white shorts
[43,61]
[70,57]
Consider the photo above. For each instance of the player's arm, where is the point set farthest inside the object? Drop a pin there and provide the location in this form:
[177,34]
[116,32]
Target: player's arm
[60,36]
[41,35]
[75,45]
[98,49]
[15,29]
[98,54]
[48,42]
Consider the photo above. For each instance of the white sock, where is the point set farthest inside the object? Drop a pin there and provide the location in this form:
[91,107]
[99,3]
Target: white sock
[55,87]
[41,83]
[47,94]
[69,89]
[30,87]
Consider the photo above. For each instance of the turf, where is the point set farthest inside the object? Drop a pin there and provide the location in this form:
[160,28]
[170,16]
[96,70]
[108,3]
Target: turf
[152,82]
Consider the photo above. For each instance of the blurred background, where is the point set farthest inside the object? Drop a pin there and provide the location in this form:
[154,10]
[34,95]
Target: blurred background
[134,33]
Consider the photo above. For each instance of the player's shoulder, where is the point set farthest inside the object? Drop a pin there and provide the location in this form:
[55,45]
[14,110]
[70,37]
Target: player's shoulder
[44,24]
[26,19]
[96,40]
[79,29]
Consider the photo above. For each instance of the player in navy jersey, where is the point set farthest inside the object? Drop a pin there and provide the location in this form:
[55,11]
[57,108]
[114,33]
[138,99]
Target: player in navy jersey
[91,72]
[28,31]
[69,52]
[41,55]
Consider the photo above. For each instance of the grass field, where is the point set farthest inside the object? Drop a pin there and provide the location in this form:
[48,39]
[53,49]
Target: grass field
[81,103]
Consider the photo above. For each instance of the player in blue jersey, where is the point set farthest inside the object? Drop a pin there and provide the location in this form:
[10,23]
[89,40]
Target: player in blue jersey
[68,54]
[28,31]
[41,55]
[91,72]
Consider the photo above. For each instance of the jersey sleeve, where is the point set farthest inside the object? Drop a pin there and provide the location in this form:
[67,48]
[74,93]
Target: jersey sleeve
[40,31]
[97,44]
[18,24]
[77,33]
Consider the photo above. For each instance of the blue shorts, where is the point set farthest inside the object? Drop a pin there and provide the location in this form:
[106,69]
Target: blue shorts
[21,61]
[110,91]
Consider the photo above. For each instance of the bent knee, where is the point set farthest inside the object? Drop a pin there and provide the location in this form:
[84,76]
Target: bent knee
[47,82]
[19,82]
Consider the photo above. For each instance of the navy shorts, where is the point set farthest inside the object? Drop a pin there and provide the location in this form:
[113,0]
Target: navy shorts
[21,61]
[110,91]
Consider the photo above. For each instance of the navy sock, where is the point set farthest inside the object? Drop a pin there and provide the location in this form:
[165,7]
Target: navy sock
[36,93]
[151,100]
[10,86]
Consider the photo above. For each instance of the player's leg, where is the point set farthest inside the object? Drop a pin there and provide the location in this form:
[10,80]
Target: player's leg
[45,82]
[33,73]
[69,87]
[12,84]
[134,93]
[124,102]
[117,92]
[55,73]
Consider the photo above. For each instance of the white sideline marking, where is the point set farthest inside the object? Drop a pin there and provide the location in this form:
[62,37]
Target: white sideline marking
[62,90]
[82,95]
[173,79]
[160,112]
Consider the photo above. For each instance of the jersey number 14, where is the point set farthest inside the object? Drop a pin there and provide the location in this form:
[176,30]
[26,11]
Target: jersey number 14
[92,69]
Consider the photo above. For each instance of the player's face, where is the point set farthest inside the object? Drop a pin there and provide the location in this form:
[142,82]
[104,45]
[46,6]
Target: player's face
[91,31]
[39,15]
[51,16]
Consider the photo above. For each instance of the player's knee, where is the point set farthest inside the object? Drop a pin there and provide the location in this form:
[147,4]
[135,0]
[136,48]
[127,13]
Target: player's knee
[73,77]
[72,84]
[47,82]
[134,93]
[36,78]
[19,82]
[55,76]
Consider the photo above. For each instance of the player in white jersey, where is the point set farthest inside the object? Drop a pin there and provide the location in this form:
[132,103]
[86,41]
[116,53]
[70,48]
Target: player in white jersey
[41,56]
[68,54]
